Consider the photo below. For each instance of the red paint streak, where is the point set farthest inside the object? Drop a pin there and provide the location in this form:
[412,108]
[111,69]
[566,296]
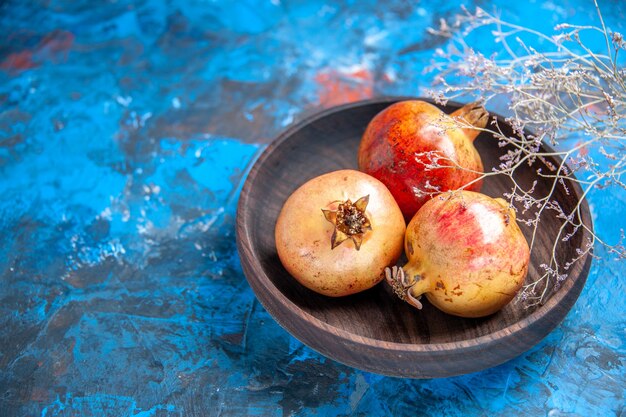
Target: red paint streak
[18,61]
[387,78]
[63,359]
[584,151]
[40,394]
[54,47]
[361,74]
[57,41]
[340,87]
[596,109]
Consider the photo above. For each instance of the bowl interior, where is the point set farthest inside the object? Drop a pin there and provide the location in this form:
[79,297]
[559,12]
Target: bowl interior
[329,142]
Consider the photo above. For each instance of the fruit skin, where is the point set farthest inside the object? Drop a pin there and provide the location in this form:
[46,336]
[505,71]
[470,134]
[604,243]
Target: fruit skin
[392,140]
[466,253]
[303,234]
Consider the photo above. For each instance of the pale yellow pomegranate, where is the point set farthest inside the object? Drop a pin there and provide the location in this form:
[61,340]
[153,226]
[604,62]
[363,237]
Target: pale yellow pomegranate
[466,254]
[337,233]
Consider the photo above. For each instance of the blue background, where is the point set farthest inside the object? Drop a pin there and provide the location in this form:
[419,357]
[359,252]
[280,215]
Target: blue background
[126,131]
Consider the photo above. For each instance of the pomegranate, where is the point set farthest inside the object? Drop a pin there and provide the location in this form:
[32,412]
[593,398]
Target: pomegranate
[465,252]
[417,151]
[337,233]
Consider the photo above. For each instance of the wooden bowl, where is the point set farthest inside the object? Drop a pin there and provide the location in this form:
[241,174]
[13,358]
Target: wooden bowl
[374,330]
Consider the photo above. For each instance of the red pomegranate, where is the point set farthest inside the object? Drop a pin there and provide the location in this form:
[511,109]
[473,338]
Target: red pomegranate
[418,151]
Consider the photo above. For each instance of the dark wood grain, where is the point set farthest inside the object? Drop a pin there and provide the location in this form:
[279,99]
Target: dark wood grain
[374,330]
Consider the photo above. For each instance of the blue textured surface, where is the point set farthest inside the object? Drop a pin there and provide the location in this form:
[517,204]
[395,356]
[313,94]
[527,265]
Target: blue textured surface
[126,130]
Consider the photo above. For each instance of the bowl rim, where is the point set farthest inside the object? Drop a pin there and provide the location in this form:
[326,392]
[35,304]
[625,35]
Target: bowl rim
[244,242]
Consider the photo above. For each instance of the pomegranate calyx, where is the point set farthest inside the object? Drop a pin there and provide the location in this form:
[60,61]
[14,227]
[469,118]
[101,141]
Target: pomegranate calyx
[401,284]
[350,222]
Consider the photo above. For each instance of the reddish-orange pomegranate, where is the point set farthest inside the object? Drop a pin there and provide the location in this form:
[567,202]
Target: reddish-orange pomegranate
[403,145]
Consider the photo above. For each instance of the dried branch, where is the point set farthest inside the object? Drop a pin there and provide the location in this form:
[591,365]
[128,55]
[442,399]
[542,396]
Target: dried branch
[568,94]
